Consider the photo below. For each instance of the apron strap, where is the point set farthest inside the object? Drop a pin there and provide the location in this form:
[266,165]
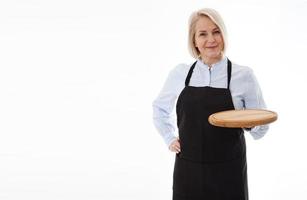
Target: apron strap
[228,73]
[187,80]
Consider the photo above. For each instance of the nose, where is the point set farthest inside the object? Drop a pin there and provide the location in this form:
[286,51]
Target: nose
[211,38]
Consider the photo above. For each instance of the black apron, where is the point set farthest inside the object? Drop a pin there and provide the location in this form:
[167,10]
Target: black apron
[212,161]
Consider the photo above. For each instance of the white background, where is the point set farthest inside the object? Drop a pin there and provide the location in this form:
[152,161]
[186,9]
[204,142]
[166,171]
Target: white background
[77,79]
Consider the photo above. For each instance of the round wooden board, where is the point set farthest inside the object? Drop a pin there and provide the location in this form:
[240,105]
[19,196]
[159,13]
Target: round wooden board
[242,118]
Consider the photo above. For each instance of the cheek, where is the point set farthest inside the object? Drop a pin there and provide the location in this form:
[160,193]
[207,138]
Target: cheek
[199,42]
[220,40]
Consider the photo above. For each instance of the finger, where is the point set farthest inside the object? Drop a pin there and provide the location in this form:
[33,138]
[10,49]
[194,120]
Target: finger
[174,150]
[171,146]
[177,148]
[177,145]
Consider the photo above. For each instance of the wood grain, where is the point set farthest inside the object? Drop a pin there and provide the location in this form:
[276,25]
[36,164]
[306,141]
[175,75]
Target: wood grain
[242,118]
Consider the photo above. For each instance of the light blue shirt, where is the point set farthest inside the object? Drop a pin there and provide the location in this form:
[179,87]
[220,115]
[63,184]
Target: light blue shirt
[244,88]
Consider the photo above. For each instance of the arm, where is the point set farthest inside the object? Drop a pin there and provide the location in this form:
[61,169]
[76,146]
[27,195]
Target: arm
[253,99]
[163,106]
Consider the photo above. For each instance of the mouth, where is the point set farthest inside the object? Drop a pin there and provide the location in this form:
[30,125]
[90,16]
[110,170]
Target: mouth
[211,47]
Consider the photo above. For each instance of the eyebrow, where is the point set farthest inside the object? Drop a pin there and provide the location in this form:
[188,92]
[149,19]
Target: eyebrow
[204,31]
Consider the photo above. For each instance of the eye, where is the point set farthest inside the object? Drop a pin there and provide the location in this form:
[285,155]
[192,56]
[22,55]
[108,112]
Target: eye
[203,34]
[216,32]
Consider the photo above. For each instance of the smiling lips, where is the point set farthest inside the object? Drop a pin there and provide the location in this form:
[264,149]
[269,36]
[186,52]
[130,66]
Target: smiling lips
[212,47]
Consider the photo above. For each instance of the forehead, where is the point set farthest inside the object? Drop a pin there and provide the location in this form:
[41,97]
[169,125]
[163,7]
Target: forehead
[204,24]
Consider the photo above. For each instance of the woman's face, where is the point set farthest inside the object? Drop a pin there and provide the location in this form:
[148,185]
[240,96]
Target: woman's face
[208,40]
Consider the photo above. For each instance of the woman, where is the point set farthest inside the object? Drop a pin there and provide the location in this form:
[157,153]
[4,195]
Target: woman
[210,161]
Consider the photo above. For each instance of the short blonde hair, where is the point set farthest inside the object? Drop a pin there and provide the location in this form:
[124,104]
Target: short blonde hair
[215,17]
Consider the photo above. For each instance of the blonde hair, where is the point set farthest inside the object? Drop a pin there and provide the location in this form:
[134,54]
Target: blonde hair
[215,17]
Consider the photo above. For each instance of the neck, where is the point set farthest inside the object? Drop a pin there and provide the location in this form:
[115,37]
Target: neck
[211,61]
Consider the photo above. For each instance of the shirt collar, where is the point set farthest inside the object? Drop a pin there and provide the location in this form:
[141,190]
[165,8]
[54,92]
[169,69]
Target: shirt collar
[216,66]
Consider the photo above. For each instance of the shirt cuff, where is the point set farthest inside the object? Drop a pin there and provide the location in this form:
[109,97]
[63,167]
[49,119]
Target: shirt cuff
[258,132]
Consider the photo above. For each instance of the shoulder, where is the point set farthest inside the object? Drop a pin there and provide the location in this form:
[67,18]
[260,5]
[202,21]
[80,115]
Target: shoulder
[180,70]
[241,71]
[175,80]
[241,68]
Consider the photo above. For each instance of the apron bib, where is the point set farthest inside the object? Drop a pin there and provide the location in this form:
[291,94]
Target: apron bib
[212,161]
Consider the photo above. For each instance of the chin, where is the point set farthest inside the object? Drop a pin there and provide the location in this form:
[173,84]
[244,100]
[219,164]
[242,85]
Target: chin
[213,55]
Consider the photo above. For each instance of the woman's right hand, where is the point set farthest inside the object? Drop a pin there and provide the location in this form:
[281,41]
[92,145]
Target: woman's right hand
[175,146]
